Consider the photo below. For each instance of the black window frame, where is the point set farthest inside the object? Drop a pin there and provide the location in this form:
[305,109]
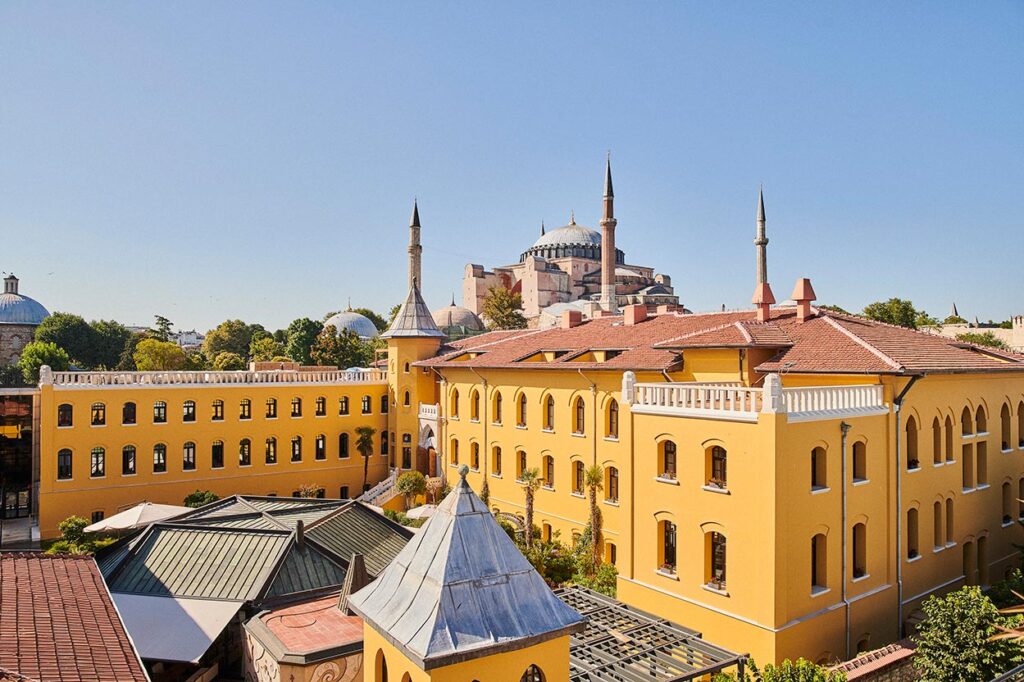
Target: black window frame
[129,413]
[217,454]
[101,460]
[217,411]
[188,411]
[129,459]
[159,458]
[98,414]
[160,412]
[65,415]
[188,456]
[65,464]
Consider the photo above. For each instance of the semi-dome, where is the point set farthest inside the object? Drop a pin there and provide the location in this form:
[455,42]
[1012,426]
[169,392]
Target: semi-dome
[457,316]
[17,308]
[360,325]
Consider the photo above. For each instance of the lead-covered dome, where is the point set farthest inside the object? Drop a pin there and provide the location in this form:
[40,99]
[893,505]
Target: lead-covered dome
[569,241]
[17,308]
[457,316]
[360,325]
[571,234]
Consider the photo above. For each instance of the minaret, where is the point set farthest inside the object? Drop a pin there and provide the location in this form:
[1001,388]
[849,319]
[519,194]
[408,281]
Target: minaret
[415,250]
[609,301]
[763,296]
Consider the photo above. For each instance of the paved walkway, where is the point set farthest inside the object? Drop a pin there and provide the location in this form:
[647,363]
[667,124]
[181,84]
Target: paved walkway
[17,534]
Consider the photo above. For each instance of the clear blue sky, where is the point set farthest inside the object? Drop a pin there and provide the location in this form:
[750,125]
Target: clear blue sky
[213,160]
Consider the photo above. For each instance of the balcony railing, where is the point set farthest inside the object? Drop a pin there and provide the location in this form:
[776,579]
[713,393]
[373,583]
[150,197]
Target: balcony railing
[93,379]
[739,403]
[429,412]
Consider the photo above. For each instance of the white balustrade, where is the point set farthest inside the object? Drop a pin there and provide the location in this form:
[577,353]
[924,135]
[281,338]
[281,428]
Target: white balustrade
[429,412]
[93,379]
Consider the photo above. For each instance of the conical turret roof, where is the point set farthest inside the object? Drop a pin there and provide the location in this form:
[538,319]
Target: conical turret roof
[461,589]
[413,319]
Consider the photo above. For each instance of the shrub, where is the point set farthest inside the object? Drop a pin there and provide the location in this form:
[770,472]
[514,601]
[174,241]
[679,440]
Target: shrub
[199,498]
[72,529]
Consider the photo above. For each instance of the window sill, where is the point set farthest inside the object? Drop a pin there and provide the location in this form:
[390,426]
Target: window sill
[984,486]
[159,423]
[319,416]
[1006,451]
[69,426]
[912,559]
[159,473]
[715,590]
[820,489]
[715,489]
[64,480]
[981,434]
[453,417]
[188,421]
[547,430]
[861,481]
[666,574]
[129,424]
[967,436]
[97,426]
[245,419]
[217,468]
[936,550]
[662,479]
[124,475]
[817,591]
[188,471]
[967,491]
[521,427]
[1007,524]
[612,439]
[495,423]
[911,470]
[549,488]
[493,475]
[578,495]
[612,503]
[860,578]
[244,466]
[270,418]
[474,421]
[578,435]
[950,544]
[97,478]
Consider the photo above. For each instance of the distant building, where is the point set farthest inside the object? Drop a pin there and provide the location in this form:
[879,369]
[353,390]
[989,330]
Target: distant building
[19,317]
[1013,337]
[572,263]
[457,322]
[188,340]
[351,321]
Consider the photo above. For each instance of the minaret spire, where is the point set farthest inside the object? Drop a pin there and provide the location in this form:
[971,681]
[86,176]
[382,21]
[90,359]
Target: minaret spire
[415,249]
[761,241]
[542,228]
[609,300]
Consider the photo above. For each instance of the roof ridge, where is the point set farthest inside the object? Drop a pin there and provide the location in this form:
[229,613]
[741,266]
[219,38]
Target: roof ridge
[702,330]
[870,348]
[743,331]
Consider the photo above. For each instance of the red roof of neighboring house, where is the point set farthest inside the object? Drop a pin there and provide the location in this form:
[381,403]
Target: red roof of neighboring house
[827,342]
[59,622]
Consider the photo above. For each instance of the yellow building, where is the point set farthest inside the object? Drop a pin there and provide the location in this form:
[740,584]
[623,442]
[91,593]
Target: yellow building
[109,440]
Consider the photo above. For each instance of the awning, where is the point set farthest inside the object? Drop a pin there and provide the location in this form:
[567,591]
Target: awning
[173,629]
[139,516]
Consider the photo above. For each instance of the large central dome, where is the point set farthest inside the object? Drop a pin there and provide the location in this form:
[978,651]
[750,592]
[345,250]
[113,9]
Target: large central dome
[570,235]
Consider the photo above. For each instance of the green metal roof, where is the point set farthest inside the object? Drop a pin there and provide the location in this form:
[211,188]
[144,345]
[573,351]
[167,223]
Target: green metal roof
[354,529]
[306,569]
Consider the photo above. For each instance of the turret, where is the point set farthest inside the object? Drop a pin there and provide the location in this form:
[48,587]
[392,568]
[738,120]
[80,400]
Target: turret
[609,300]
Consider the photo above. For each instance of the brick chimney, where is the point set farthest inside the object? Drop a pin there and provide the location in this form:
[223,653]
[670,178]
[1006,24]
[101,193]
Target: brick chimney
[803,294]
[634,314]
[571,318]
[763,299]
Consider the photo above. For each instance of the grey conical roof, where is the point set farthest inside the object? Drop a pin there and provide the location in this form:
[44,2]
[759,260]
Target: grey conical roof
[461,589]
[413,319]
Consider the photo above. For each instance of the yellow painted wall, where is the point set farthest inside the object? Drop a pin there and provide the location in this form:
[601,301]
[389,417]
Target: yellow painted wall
[409,386]
[83,495]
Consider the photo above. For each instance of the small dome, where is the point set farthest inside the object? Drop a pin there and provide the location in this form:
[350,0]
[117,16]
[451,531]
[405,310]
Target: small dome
[359,325]
[569,235]
[17,308]
[457,316]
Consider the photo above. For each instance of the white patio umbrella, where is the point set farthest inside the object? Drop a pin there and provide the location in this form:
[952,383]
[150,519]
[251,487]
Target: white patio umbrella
[422,512]
[139,516]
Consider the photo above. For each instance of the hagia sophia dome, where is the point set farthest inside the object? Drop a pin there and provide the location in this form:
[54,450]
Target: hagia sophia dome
[360,325]
[569,240]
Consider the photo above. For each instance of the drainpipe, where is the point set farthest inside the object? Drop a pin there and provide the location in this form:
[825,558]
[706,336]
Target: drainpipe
[898,405]
[593,396]
[845,429]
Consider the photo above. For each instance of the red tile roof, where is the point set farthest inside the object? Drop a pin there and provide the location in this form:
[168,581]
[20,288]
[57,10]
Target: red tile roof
[828,342]
[59,622]
[312,626]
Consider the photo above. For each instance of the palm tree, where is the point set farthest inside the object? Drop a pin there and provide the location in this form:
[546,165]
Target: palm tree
[593,479]
[364,444]
[531,481]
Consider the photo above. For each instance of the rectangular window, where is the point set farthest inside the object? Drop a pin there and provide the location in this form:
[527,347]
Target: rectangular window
[97,516]
[343,493]
[245,409]
[159,458]
[296,407]
[384,443]
[128,413]
[188,411]
[188,457]
[343,446]
[406,458]
[160,412]
[321,406]
[245,452]
[218,411]
[64,415]
[271,453]
[343,405]
[668,546]
[613,484]
[97,463]
[64,465]
[217,455]
[297,449]
[271,408]
[320,447]
[99,414]
[128,461]
[367,404]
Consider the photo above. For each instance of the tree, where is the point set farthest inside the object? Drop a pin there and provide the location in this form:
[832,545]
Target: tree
[302,334]
[230,336]
[503,309]
[228,362]
[593,479]
[379,322]
[109,341]
[983,339]
[152,355]
[126,363]
[835,309]
[531,481]
[896,311]
[72,529]
[199,498]
[343,349]
[485,494]
[411,484]
[307,490]
[265,348]
[162,328]
[364,445]
[393,313]
[11,375]
[954,319]
[71,333]
[955,642]
[801,670]
[38,353]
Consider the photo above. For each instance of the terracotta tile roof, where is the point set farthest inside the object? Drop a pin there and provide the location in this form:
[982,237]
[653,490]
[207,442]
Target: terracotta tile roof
[828,342]
[875,661]
[314,625]
[59,622]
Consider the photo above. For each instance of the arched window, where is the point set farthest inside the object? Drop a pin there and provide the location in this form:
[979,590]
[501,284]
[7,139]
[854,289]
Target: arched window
[406,368]
[343,446]
[128,461]
[521,417]
[98,414]
[160,412]
[474,405]
[454,452]
[611,484]
[496,416]
[936,441]
[981,420]
[367,405]
[521,465]
[474,456]
[188,411]
[1007,503]
[320,447]
[64,462]
[271,408]
[667,533]
[549,413]
[965,422]
[496,461]
[188,456]
[384,443]
[244,452]
[296,448]
[613,419]
[819,563]
[128,413]
[406,451]
[937,538]
[532,674]
[453,410]
[667,460]
[65,414]
[98,463]
[580,417]
[715,562]
[380,667]
[912,460]
[384,402]
[715,471]
[321,406]
[343,405]
[245,409]
[271,451]
[296,407]
[578,477]
[1020,425]
[159,458]
[949,521]
[406,399]
[549,471]
[1004,427]
[217,454]
[860,461]
[819,469]
[949,439]
[912,535]
[217,414]
[860,538]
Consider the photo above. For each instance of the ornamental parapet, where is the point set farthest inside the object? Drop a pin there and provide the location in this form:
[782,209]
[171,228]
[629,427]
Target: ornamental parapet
[201,378]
